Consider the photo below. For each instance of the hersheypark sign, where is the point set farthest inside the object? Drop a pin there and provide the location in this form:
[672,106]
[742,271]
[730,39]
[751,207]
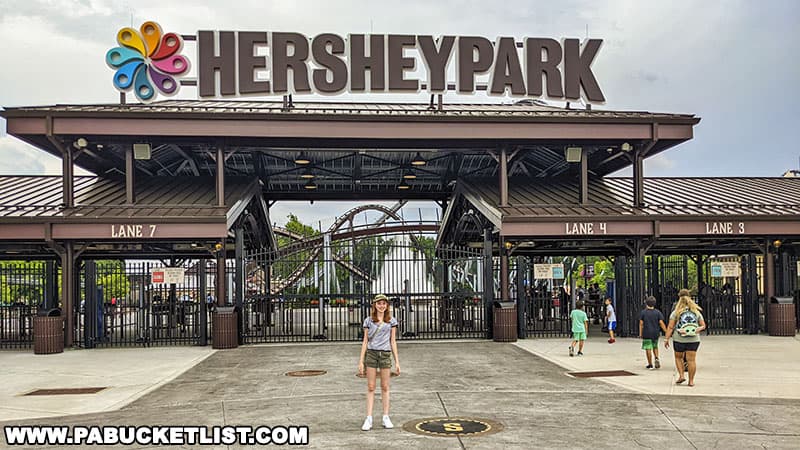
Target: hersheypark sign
[243,63]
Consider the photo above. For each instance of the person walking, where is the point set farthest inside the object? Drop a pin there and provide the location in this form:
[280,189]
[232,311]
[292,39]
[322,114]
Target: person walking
[377,349]
[685,322]
[651,323]
[580,328]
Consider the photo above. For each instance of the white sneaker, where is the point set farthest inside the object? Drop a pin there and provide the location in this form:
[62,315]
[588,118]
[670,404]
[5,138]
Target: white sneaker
[367,424]
[387,423]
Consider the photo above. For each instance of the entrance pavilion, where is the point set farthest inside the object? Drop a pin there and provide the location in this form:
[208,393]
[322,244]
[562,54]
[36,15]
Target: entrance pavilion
[186,182]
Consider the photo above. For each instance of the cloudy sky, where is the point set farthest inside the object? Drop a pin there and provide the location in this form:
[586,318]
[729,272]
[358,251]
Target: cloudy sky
[733,63]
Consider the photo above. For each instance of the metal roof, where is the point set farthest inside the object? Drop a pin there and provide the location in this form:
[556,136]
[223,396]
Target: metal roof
[529,109]
[356,149]
[30,197]
[532,199]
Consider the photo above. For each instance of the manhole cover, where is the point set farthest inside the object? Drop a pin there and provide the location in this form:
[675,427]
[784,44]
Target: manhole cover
[306,373]
[66,391]
[453,426]
[601,373]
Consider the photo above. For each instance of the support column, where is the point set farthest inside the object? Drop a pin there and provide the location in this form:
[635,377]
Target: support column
[67,172]
[769,275]
[638,179]
[584,187]
[130,173]
[505,292]
[239,275]
[783,275]
[90,306]
[203,294]
[238,279]
[68,292]
[522,297]
[503,174]
[221,275]
[638,285]
[220,176]
[488,280]
[769,281]
[50,283]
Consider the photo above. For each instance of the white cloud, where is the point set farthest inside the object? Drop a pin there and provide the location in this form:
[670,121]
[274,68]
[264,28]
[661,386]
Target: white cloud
[19,158]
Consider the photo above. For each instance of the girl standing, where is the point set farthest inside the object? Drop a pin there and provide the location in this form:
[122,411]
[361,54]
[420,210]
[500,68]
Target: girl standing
[377,349]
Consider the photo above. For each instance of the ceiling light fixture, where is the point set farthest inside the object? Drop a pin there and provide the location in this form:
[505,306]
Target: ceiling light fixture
[573,154]
[307,174]
[409,175]
[302,159]
[418,160]
[310,185]
[403,186]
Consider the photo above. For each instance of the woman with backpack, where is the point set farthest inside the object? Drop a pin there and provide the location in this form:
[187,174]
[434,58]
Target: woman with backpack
[686,322]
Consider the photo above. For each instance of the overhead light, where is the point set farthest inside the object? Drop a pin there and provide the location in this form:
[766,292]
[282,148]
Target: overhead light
[418,160]
[573,154]
[307,174]
[409,175]
[310,185]
[403,186]
[302,159]
[80,143]
[626,147]
[141,151]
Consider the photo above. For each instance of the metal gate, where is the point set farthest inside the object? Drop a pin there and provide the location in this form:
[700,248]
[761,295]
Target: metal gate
[546,304]
[731,305]
[118,304]
[322,291]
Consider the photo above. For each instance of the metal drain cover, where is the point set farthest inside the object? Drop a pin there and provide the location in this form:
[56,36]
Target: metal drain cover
[306,373]
[453,426]
[66,391]
[602,373]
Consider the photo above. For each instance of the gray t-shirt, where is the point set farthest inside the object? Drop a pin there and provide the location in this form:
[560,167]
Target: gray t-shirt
[686,320]
[379,335]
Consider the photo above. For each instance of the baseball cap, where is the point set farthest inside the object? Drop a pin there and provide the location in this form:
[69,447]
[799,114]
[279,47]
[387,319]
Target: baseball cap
[380,297]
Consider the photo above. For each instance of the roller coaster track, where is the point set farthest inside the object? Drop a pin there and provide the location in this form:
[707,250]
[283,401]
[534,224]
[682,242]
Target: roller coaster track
[314,244]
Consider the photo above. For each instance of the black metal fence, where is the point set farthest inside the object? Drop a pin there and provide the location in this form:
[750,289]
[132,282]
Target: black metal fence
[23,289]
[120,305]
[324,292]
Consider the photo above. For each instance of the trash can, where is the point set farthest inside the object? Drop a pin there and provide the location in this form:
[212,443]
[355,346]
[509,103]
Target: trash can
[224,328]
[505,322]
[48,332]
[781,316]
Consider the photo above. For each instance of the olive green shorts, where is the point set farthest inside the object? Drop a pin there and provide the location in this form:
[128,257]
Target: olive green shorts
[378,359]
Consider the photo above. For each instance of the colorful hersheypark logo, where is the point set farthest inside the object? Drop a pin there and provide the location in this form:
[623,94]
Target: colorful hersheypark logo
[146,60]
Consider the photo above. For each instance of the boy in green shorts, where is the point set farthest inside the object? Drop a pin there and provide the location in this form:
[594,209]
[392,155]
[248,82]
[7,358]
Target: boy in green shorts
[651,322]
[580,328]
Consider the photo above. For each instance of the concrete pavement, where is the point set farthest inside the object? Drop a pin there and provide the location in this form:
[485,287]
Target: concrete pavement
[727,366]
[538,405]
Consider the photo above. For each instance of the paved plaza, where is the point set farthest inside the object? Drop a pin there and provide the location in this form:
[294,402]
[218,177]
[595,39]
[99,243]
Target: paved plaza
[746,395]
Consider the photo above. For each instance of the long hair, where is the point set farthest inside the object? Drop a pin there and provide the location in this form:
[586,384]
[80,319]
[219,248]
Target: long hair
[685,302]
[387,315]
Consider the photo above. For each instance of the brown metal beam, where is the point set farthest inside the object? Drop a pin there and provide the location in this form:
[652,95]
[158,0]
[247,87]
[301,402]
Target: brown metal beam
[130,175]
[220,176]
[503,177]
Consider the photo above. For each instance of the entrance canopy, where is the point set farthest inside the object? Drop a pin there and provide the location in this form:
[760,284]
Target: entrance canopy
[364,149]
[690,214]
[175,216]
